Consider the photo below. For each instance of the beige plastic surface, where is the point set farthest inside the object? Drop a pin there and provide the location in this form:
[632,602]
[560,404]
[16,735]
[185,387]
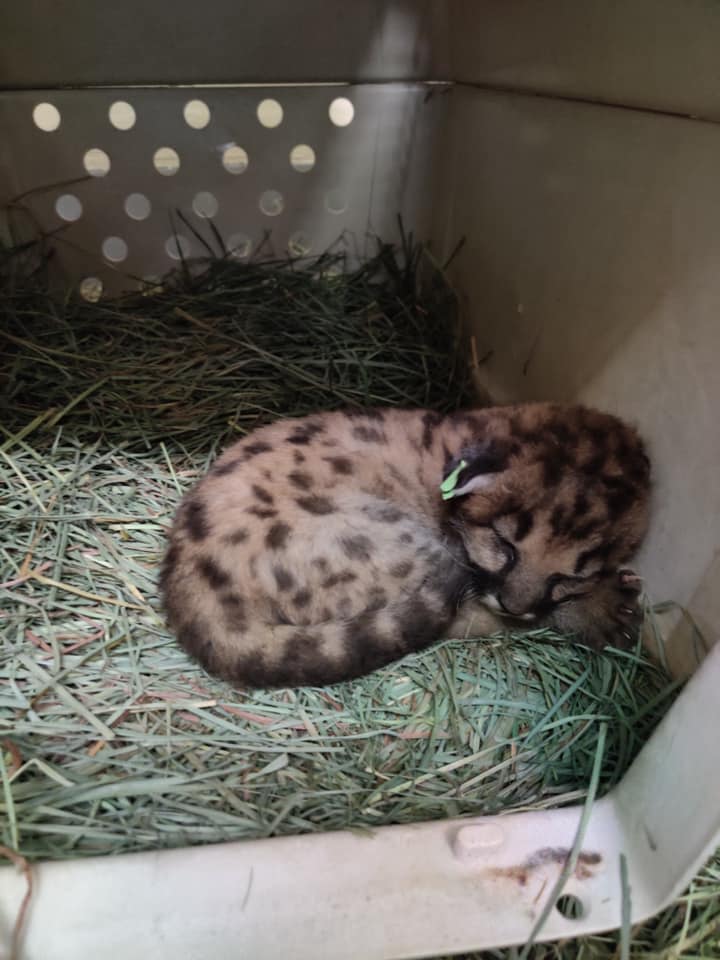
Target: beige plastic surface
[49,44]
[652,54]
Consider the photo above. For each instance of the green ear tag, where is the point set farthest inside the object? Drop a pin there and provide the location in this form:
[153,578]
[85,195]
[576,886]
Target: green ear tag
[447,487]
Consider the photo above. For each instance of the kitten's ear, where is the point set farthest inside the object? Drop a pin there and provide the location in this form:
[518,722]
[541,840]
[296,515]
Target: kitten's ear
[475,468]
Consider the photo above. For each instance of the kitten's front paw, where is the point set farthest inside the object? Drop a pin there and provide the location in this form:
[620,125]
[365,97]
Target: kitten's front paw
[611,615]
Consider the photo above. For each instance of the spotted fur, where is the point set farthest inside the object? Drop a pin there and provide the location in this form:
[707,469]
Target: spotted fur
[320,549]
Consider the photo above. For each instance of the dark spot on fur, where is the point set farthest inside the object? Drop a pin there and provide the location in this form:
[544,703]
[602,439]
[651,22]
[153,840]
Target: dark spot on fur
[558,521]
[368,649]
[302,435]
[369,413]
[236,537]
[464,418]
[298,456]
[405,538]
[600,553]
[598,435]
[262,513]
[253,449]
[344,576]
[302,598]
[620,497]
[586,529]
[283,578]
[315,504]
[358,547]
[369,434]
[302,481]
[377,599]
[430,422]
[234,609]
[340,464]
[365,649]
[249,670]
[300,664]
[562,433]
[325,615]
[267,474]
[524,524]
[277,535]
[595,464]
[216,577]
[321,563]
[421,625]
[402,569]
[554,464]
[262,494]
[303,662]
[196,522]
[581,505]
[383,512]
[224,468]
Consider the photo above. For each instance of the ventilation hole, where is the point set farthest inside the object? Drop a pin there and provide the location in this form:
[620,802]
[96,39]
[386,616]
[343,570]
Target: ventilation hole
[96,162]
[205,204]
[166,161]
[197,114]
[46,117]
[270,113]
[151,285]
[272,203]
[239,246]
[341,112]
[122,115]
[335,201]
[329,273]
[68,207]
[299,244]
[570,906]
[234,159]
[114,249]
[91,289]
[302,158]
[177,247]
[137,206]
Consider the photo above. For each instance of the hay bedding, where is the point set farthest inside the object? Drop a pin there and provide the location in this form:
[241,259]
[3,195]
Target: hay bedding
[113,740]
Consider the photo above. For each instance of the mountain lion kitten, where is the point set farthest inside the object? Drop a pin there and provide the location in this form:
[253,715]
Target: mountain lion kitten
[318,549]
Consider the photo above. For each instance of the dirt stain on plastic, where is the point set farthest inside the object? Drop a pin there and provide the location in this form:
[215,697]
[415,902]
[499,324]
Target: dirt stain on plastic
[584,869]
